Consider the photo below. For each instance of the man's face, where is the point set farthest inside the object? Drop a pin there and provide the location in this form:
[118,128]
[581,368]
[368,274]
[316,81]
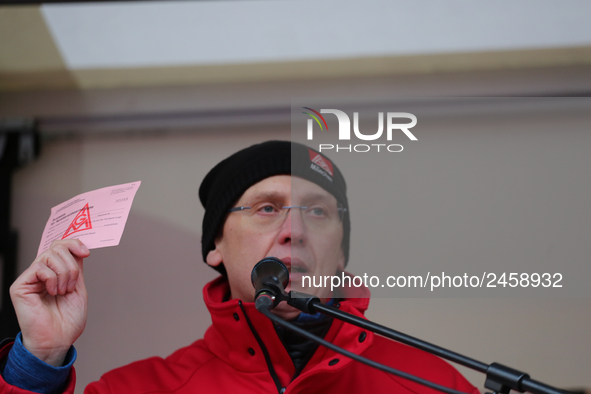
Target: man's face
[305,244]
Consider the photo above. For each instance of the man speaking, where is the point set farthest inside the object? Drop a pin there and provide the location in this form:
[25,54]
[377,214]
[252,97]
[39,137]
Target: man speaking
[275,199]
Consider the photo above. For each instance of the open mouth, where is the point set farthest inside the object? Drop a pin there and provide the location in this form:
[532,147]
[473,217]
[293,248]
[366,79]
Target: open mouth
[297,269]
[295,266]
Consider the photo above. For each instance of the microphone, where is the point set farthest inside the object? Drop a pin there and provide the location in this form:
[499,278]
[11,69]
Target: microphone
[269,278]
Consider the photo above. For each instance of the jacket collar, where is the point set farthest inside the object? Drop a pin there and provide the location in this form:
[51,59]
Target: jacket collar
[232,336]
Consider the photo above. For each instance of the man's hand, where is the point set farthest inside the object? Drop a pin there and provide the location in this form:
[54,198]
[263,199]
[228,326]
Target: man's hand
[50,301]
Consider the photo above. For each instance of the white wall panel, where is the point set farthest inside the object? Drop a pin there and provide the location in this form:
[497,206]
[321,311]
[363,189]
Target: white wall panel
[148,34]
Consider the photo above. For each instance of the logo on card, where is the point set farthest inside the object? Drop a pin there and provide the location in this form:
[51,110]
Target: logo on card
[80,223]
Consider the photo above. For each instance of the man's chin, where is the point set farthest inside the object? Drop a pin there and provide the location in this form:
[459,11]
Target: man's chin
[286,312]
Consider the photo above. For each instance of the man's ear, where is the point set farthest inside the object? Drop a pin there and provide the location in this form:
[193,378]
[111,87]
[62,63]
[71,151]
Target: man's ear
[341,266]
[214,258]
[341,263]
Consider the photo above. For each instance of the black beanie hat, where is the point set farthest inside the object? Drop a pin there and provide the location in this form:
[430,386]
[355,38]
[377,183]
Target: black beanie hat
[230,178]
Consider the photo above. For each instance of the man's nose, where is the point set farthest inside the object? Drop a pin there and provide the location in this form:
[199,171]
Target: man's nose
[293,228]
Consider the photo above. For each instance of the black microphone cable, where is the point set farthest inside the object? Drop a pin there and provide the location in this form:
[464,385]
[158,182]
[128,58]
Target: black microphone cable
[266,303]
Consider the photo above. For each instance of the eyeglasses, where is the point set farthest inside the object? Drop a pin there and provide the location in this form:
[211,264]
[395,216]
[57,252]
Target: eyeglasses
[316,216]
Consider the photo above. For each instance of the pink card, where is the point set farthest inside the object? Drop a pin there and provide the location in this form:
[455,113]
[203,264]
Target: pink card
[97,218]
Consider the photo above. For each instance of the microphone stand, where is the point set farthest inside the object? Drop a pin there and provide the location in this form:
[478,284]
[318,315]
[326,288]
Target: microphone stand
[499,378]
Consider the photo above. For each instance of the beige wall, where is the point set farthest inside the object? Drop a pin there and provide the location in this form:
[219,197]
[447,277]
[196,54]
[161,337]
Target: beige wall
[145,294]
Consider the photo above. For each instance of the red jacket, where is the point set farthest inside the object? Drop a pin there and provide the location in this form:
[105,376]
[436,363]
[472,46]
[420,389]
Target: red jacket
[229,359]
